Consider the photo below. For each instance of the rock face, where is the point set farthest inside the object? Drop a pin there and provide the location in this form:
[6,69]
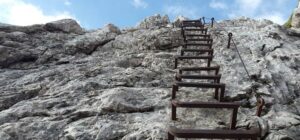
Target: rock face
[272,58]
[65,25]
[154,21]
[88,42]
[296,17]
[178,20]
[116,84]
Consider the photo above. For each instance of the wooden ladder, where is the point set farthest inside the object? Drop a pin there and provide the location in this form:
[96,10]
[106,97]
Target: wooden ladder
[197,40]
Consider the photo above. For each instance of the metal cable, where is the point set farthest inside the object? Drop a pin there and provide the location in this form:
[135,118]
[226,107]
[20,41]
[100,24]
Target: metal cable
[259,99]
[236,48]
[238,52]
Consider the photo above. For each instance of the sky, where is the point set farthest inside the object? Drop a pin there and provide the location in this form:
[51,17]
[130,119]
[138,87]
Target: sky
[92,14]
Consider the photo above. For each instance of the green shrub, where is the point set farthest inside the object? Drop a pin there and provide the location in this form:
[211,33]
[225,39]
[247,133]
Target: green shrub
[288,24]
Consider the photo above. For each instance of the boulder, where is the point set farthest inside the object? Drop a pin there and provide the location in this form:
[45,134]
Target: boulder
[154,21]
[178,20]
[64,25]
[296,17]
[293,32]
[128,100]
[87,43]
[10,56]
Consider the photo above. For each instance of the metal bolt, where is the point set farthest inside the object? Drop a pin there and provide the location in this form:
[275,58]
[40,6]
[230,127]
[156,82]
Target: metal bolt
[212,22]
[229,40]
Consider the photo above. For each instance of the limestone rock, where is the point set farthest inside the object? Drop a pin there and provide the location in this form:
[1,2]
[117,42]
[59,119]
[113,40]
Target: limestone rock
[116,84]
[64,25]
[125,100]
[296,17]
[88,42]
[178,20]
[13,55]
[154,21]
[293,32]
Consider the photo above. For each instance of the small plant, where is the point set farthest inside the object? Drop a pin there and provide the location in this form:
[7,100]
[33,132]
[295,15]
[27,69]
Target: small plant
[288,24]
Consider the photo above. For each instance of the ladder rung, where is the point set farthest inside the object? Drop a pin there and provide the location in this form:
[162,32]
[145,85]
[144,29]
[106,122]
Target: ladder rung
[199,68]
[194,57]
[197,104]
[198,44]
[192,24]
[187,21]
[215,77]
[200,85]
[199,39]
[213,134]
[198,35]
[197,50]
[196,29]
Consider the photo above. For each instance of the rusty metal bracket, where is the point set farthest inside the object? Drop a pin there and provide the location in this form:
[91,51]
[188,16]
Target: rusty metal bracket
[252,134]
[203,19]
[229,40]
[260,105]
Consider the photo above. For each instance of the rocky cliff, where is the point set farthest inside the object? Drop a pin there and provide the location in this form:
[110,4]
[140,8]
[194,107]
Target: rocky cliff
[295,18]
[59,81]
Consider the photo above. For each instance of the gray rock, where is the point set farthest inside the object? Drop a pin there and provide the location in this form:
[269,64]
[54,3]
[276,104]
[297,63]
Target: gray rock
[89,42]
[32,128]
[112,84]
[178,20]
[124,100]
[293,32]
[154,21]
[64,25]
[4,24]
[26,29]
[13,55]
[296,17]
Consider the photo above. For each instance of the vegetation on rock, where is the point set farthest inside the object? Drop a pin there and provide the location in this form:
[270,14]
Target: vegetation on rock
[288,24]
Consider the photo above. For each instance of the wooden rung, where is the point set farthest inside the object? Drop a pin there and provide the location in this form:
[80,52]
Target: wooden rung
[197,50]
[196,29]
[198,44]
[199,39]
[211,77]
[192,24]
[213,68]
[198,35]
[200,85]
[187,21]
[194,57]
[252,134]
[197,104]
[199,68]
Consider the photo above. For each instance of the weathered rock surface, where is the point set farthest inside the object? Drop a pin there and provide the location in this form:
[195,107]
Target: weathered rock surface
[178,20]
[65,25]
[272,59]
[116,84]
[154,21]
[296,17]
[88,42]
